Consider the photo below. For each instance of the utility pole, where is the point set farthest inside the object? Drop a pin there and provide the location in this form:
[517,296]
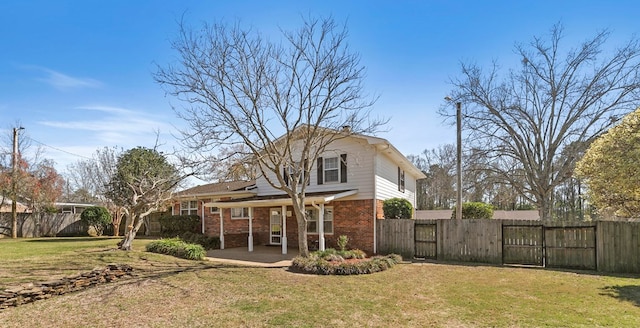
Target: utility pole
[458,158]
[14,162]
[459,161]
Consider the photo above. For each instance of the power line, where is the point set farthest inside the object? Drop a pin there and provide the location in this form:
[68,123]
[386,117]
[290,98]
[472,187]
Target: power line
[58,149]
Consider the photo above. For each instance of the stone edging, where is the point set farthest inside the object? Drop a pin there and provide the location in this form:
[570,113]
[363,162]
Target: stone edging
[32,292]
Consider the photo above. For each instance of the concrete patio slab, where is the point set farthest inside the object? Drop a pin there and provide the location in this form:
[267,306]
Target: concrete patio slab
[262,256]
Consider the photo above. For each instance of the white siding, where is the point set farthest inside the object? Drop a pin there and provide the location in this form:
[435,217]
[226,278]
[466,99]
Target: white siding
[387,181]
[360,157]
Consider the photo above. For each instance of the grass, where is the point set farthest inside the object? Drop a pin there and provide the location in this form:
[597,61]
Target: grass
[180,293]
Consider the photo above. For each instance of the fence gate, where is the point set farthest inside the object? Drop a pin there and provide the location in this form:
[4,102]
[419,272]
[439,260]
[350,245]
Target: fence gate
[425,240]
[522,245]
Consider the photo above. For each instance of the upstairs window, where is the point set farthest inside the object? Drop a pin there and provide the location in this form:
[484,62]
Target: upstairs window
[287,174]
[401,181]
[332,169]
[189,207]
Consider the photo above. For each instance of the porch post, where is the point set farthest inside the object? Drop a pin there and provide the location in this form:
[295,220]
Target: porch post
[202,214]
[221,228]
[250,241]
[321,228]
[283,237]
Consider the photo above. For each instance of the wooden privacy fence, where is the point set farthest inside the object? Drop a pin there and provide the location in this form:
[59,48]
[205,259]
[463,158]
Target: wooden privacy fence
[63,224]
[608,246]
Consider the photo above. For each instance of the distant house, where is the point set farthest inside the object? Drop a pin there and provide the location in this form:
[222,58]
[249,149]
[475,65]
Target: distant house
[73,208]
[348,185]
[5,207]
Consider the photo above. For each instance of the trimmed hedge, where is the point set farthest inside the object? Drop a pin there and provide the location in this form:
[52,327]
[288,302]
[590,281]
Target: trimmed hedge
[178,248]
[175,225]
[207,242]
[475,210]
[331,263]
[397,208]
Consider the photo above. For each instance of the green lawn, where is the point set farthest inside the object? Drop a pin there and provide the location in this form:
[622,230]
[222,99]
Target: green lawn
[170,292]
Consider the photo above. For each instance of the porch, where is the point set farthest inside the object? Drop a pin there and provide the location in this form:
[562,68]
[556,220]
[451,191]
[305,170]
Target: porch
[261,256]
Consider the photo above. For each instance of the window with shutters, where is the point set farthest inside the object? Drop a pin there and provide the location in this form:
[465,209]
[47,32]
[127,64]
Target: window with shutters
[287,174]
[332,169]
[401,180]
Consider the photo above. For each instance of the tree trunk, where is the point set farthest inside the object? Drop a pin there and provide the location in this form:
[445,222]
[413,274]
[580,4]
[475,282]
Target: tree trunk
[303,245]
[14,219]
[131,232]
[117,219]
[125,244]
[544,207]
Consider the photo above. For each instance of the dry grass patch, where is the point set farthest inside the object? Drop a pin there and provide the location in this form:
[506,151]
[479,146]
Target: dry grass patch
[179,293]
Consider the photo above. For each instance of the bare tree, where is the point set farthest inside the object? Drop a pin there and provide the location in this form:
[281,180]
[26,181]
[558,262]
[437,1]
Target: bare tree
[522,122]
[90,178]
[436,191]
[231,164]
[283,101]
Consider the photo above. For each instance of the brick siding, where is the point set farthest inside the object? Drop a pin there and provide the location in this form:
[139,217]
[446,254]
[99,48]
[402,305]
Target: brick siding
[353,218]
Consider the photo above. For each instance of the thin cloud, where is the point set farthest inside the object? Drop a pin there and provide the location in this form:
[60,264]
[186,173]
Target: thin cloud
[62,81]
[116,125]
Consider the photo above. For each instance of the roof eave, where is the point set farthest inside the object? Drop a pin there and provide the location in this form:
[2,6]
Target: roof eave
[282,201]
[218,195]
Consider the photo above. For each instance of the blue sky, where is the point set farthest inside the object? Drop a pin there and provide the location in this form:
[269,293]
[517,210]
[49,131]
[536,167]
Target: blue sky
[77,75]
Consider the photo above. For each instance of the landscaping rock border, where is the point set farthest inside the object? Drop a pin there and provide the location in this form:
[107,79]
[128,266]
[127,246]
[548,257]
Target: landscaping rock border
[32,292]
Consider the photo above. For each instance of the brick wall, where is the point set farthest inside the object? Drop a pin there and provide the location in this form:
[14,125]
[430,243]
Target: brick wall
[353,218]
[379,209]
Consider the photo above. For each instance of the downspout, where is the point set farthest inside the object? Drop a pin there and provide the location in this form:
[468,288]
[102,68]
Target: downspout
[375,199]
[250,238]
[283,237]
[320,224]
[221,228]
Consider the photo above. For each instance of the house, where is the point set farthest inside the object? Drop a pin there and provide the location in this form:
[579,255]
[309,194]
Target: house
[348,184]
[5,206]
[73,208]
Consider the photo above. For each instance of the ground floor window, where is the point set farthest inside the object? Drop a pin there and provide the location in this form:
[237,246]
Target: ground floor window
[313,216]
[189,207]
[240,213]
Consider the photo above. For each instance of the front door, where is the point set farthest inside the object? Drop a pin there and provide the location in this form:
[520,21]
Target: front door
[275,224]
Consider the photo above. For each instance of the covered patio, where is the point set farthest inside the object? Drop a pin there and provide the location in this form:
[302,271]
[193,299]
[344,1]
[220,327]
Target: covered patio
[277,205]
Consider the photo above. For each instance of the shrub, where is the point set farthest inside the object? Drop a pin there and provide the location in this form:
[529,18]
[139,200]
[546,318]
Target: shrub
[208,242]
[175,225]
[342,242]
[475,210]
[319,263]
[397,208]
[178,248]
[96,217]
